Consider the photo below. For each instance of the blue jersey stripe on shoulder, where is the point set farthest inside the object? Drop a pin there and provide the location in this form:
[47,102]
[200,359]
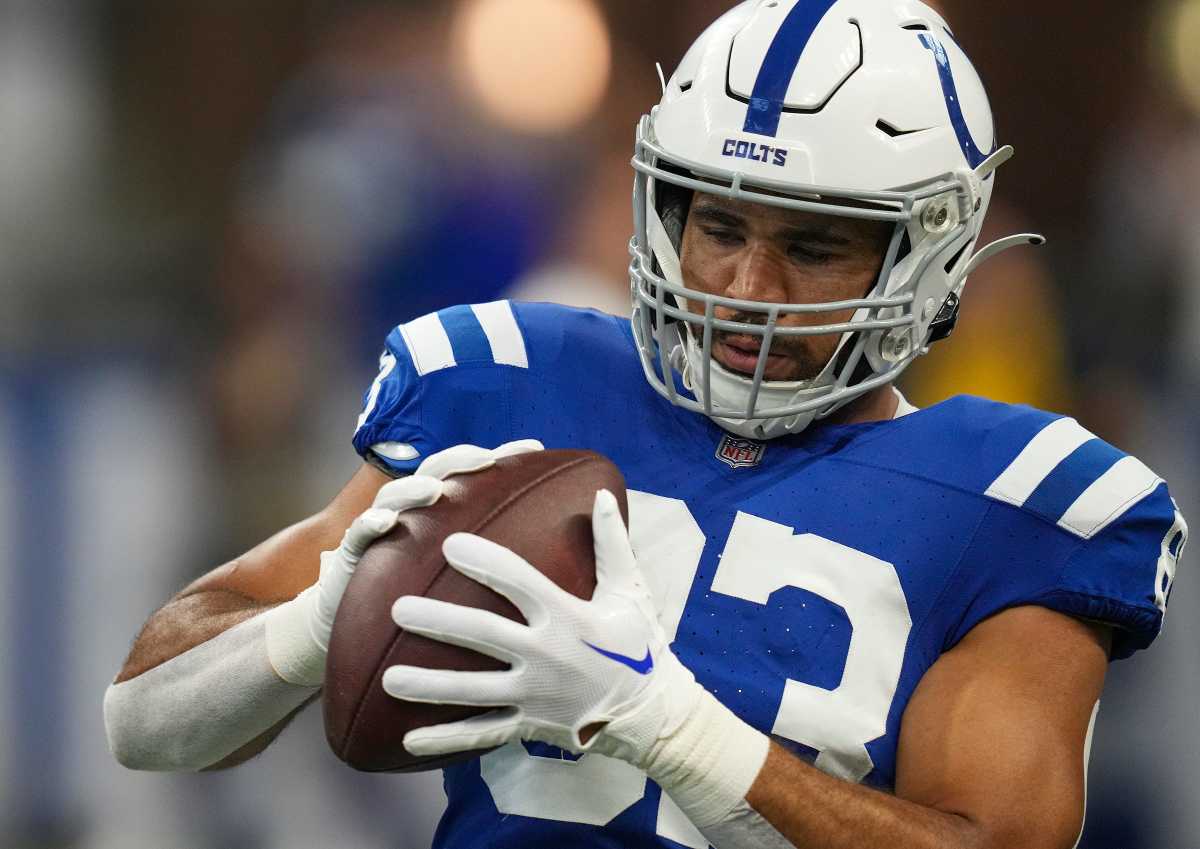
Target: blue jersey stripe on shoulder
[1081,468]
[467,337]
[1006,434]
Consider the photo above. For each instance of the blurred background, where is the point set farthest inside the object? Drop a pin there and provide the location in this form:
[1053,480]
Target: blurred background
[212,213]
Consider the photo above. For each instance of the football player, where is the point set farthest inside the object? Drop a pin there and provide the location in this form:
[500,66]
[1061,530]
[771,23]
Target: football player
[834,621]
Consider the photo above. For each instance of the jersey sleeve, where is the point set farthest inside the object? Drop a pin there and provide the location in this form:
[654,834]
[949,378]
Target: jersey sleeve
[1079,527]
[444,379]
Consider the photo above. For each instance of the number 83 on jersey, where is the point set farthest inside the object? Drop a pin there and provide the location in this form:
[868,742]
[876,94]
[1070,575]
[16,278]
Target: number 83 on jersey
[759,558]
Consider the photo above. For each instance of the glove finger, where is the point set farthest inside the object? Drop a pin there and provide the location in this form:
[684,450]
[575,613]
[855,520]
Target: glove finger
[520,446]
[486,731]
[367,528]
[469,627]
[409,493]
[502,570]
[459,460]
[449,687]
[615,563]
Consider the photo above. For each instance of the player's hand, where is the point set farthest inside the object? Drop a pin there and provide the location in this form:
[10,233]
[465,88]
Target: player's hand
[579,667]
[421,489]
[298,633]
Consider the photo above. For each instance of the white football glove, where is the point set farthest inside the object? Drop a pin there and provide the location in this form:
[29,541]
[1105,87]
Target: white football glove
[298,632]
[577,664]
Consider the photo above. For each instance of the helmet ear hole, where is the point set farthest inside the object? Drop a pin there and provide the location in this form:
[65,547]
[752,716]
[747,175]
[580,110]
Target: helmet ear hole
[905,248]
[953,261]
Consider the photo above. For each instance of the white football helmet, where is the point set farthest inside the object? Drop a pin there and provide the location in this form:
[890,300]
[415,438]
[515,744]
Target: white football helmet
[857,108]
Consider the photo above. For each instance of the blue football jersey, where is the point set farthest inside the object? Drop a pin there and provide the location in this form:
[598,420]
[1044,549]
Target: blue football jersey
[808,582]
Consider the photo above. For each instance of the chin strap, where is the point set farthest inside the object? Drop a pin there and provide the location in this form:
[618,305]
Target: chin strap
[663,248]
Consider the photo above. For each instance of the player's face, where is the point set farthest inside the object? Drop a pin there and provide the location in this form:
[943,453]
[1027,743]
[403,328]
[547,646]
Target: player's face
[749,251]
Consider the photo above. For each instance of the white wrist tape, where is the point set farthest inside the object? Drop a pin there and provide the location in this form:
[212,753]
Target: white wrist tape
[200,707]
[294,652]
[709,762]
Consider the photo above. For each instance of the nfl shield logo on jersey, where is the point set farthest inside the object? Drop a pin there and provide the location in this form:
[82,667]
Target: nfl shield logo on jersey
[740,453]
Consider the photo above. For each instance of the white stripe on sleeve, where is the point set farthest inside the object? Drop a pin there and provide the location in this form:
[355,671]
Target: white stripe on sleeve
[387,364]
[1053,444]
[1122,486]
[428,344]
[500,326]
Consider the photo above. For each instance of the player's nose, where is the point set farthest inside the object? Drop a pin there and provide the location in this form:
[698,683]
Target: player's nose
[758,276]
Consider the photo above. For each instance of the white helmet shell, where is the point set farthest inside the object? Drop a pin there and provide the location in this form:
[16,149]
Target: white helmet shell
[853,108]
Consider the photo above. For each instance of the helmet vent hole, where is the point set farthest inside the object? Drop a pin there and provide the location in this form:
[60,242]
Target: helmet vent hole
[685,87]
[894,132]
[957,256]
[887,129]
[917,26]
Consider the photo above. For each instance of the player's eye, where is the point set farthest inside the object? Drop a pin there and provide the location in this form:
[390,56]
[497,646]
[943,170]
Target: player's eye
[723,236]
[809,255]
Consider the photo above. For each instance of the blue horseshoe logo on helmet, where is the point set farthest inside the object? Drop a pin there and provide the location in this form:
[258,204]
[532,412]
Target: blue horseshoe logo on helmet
[975,156]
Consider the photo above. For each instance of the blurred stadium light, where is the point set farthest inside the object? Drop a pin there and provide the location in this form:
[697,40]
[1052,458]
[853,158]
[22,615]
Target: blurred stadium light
[536,66]
[1178,27]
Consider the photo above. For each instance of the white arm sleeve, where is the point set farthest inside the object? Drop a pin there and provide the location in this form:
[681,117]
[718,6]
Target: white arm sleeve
[198,708]
[745,828]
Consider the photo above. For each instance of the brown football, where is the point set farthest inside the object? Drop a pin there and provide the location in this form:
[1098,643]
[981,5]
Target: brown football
[540,506]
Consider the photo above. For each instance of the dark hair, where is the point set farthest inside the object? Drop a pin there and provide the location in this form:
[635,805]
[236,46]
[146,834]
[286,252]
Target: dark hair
[673,203]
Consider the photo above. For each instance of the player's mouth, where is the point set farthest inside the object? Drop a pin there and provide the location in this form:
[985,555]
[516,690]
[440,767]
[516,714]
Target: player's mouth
[740,354]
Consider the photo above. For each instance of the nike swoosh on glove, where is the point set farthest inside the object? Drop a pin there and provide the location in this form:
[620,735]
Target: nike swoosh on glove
[577,666]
